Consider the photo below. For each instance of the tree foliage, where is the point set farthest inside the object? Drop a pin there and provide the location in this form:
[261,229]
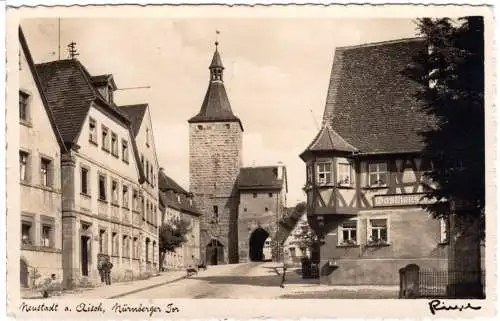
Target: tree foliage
[171,236]
[451,70]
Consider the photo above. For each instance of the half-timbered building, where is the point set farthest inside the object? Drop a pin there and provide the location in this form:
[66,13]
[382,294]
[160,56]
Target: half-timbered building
[365,179]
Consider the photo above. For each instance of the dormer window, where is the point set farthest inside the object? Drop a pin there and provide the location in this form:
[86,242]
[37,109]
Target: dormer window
[324,173]
[377,174]
[147,137]
[344,171]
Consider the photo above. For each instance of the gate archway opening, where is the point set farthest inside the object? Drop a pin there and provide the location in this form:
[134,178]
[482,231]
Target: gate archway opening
[257,241]
[214,253]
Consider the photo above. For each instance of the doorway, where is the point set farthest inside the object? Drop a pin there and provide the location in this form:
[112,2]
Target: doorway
[257,242]
[214,252]
[84,252]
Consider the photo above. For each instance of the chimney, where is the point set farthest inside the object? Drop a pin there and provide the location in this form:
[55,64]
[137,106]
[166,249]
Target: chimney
[280,170]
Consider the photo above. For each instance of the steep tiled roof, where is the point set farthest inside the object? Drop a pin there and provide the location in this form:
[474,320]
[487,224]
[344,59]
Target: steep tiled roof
[36,77]
[135,113]
[264,177]
[215,106]
[173,195]
[166,183]
[370,102]
[70,92]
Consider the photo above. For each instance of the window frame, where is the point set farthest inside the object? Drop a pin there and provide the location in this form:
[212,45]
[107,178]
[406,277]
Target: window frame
[104,187]
[30,238]
[114,144]
[125,196]
[87,181]
[341,228]
[26,102]
[93,135]
[327,165]
[115,192]
[370,228]
[378,173]
[344,167]
[26,178]
[48,162]
[105,138]
[125,151]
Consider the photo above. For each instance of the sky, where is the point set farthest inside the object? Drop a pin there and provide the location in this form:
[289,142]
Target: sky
[276,75]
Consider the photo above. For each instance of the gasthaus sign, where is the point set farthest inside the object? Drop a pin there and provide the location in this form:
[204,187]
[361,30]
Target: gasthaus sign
[400,200]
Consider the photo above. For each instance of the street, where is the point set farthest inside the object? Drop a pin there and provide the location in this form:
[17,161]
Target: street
[253,280]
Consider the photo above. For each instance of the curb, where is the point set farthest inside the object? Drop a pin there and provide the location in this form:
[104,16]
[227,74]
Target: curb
[146,288]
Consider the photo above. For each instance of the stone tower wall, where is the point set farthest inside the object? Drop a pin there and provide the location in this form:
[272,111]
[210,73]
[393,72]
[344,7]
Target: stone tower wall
[215,158]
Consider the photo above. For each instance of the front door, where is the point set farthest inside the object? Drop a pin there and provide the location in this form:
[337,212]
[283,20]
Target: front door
[84,243]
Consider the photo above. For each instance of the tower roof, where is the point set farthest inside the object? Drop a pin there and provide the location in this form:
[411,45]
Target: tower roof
[215,106]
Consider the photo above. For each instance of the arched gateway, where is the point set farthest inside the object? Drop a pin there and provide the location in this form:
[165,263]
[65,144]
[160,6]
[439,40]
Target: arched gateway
[256,244]
[214,253]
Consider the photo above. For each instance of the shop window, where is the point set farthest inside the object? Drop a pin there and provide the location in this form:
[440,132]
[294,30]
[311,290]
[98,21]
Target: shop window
[324,173]
[377,232]
[92,131]
[377,174]
[344,174]
[348,233]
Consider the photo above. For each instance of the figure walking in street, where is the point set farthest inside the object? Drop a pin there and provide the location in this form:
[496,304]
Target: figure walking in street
[283,275]
[107,270]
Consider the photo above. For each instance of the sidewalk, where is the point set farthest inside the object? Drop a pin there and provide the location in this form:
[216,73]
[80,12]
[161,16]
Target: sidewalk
[117,290]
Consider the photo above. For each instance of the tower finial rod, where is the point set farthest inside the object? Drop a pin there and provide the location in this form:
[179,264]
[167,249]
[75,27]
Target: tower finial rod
[217,32]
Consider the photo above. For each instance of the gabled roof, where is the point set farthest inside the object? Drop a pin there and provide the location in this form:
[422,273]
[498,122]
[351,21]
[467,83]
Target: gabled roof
[370,103]
[263,177]
[135,113]
[327,140]
[174,196]
[36,77]
[70,92]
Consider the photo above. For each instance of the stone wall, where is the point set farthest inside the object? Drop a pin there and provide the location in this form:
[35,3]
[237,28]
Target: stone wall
[214,163]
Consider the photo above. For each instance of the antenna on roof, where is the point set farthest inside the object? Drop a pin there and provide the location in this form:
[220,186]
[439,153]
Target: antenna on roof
[139,87]
[314,119]
[72,50]
[58,38]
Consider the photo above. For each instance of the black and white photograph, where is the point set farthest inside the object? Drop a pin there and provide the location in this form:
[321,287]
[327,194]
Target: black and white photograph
[249,157]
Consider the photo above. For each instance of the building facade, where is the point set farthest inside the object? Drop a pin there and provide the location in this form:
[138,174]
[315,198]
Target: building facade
[178,204]
[365,174]
[40,178]
[109,204]
[262,199]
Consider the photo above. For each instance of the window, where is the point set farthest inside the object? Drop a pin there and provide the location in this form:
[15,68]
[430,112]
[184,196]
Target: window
[114,243]
[200,127]
[125,150]
[46,236]
[270,194]
[23,106]
[216,213]
[45,171]
[309,174]
[23,166]
[377,231]
[114,144]
[26,233]
[102,187]
[344,174]
[125,196]
[245,209]
[228,126]
[84,177]
[324,173]
[254,195]
[266,209]
[114,192]
[348,233]
[377,174]
[92,131]
[105,139]
[135,253]
[125,247]
[444,230]
[147,137]
[292,252]
[135,204]
[102,241]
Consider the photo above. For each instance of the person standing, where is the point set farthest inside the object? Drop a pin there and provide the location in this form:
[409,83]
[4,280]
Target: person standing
[283,275]
[108,266]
